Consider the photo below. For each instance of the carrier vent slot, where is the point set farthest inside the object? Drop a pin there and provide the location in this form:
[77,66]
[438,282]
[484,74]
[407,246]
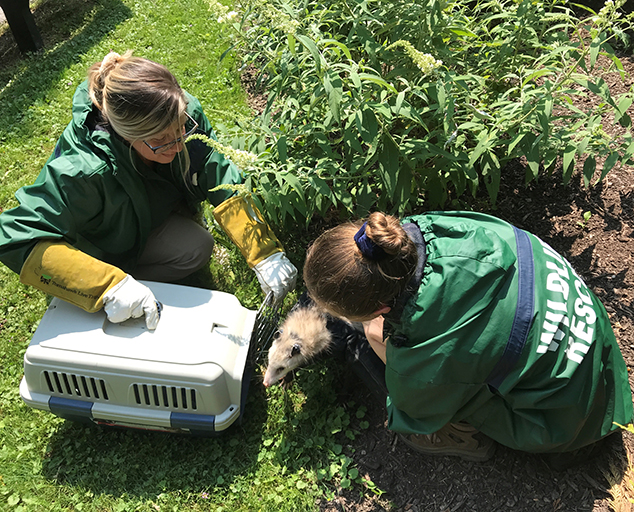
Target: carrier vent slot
[94,387]
[66,384]
[85,386]
[165,396]
[103,389]
[75,385]
[48,382]
[57,383]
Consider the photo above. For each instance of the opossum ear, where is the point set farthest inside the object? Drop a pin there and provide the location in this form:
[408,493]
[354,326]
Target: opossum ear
[297,349]
[277,334]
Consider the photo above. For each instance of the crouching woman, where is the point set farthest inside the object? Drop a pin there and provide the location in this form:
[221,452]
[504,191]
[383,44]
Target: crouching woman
[117,200]
[485,331]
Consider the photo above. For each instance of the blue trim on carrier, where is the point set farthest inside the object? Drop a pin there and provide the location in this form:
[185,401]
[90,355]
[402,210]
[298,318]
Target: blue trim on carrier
[69,409]
[206,422]
[79,410]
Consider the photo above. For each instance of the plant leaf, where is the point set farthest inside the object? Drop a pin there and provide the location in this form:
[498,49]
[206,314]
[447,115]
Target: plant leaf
[334,92]
[608,164]
[312,48]
[377,80]
[282,149]
[589,167]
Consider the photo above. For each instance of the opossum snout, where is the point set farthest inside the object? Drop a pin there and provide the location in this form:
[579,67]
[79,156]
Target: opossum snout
[276,372]
[273,376]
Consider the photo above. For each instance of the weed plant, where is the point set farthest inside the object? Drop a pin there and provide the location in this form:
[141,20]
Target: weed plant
[291,447]
[393,105]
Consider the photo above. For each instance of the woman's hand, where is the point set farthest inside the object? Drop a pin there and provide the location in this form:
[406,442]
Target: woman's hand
[131,299]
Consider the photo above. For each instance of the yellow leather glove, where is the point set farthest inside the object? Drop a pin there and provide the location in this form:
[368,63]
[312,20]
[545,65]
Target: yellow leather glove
[246,227]
[57,268]
[244,224]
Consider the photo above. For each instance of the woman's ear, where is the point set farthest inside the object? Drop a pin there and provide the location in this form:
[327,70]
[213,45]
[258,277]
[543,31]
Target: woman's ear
[382,311]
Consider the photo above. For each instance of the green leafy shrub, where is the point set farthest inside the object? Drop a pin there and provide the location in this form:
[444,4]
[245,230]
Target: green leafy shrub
[391,104]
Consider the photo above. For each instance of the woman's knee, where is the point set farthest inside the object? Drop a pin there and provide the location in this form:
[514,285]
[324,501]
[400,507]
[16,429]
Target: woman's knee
[202,251]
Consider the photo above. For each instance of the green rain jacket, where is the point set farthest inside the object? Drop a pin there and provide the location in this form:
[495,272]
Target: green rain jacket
[570,383]
[95,193]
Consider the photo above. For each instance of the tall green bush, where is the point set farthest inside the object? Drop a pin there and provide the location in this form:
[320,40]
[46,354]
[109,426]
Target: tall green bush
[389,104]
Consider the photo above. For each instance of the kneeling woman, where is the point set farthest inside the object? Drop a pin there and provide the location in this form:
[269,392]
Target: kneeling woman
[482,327]
[117,199]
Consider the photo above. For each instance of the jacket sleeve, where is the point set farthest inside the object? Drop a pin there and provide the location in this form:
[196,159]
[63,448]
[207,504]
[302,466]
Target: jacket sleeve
[55,207]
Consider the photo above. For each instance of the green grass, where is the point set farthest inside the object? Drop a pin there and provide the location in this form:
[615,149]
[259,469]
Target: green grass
[291,447]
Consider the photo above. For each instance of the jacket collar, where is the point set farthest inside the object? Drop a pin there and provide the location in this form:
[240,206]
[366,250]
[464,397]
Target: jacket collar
[393,317]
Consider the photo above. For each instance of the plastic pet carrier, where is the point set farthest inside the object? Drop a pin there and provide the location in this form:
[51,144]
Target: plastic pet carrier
[189,375]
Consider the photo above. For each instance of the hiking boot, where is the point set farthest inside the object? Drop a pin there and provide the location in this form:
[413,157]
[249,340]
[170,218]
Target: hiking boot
[459,439]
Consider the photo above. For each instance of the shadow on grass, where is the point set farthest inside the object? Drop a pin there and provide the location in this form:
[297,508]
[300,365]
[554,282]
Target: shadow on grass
[144,464]
[69,29]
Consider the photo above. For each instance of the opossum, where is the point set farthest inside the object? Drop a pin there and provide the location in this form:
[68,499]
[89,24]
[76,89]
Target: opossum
[302,336]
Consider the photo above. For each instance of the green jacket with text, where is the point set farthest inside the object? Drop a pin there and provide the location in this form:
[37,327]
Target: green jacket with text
[570,384]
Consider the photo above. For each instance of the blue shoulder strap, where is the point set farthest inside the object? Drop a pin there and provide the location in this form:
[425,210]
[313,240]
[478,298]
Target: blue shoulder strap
[523,311]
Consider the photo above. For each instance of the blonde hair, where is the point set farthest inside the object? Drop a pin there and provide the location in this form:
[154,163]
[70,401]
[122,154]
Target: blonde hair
[346,282]
[137,97]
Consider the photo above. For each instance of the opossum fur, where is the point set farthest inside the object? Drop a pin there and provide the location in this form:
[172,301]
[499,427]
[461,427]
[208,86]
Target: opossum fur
[302,336]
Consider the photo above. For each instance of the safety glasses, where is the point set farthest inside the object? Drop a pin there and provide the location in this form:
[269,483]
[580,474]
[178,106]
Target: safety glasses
[164,147]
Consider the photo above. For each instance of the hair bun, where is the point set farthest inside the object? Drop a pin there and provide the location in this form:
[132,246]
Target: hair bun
[108,63]
[387,233]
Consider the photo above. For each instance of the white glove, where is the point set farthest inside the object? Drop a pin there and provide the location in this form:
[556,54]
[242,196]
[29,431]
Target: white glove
[131,299]
[276,274]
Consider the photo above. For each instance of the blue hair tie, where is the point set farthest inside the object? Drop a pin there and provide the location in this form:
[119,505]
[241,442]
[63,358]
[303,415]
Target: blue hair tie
[367,247]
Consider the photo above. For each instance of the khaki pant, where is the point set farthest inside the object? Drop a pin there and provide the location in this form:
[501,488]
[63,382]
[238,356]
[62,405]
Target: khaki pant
[174,250]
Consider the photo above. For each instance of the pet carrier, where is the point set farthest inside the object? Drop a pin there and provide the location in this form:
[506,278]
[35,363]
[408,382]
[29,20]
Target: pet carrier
[189,375]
